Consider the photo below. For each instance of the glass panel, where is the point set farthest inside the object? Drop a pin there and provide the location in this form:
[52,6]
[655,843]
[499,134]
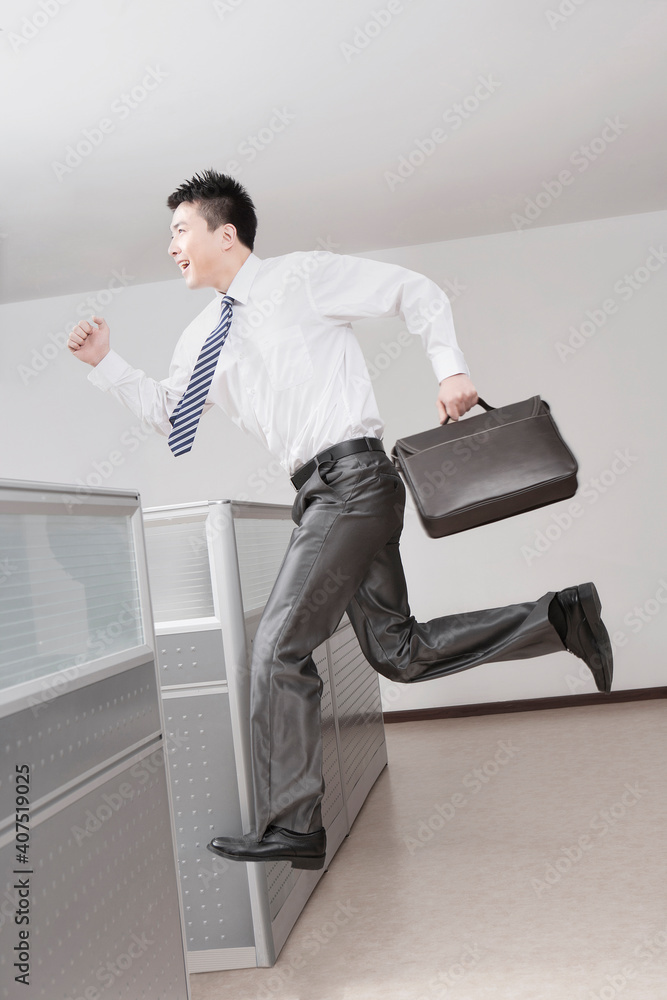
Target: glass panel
[68,592]
[261,547]
[178,569]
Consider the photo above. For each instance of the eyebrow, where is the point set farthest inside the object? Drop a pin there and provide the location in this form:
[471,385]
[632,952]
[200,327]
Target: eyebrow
[175,225]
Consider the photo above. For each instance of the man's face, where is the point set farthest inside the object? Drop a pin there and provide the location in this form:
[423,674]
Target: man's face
[197,251]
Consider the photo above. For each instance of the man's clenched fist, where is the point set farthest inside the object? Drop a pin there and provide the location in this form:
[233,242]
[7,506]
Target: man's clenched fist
[90,343]
[457,395]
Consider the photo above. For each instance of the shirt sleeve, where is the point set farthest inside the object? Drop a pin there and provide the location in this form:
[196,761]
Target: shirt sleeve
[348,288]
[152,401]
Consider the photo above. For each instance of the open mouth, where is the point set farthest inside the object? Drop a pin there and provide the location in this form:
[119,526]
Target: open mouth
[184,265]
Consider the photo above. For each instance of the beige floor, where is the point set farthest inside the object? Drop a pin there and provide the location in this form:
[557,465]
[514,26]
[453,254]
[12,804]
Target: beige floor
[518,856]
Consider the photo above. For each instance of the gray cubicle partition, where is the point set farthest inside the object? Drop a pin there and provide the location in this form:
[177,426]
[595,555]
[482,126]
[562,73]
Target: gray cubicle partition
[212,566]
[90,895]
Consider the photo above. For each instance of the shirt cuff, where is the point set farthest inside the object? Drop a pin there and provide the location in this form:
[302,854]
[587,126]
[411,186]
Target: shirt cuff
[110,370]
[449,361]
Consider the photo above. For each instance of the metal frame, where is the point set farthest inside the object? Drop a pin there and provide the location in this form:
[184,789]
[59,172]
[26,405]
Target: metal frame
[144,590]
[229,607]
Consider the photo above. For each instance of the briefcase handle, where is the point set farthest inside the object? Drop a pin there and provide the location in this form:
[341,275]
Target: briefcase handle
[480,402]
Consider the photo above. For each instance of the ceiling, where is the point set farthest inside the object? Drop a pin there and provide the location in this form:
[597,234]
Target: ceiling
[314,107]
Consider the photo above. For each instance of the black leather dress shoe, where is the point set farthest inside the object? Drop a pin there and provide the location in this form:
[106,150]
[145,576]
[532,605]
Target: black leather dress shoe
[586,635]
[303,850]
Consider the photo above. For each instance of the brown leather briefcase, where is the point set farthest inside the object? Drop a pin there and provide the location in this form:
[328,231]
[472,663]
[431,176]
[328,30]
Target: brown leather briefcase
[484,468]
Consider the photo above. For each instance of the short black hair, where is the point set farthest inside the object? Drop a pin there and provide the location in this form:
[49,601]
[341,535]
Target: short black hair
[219,199]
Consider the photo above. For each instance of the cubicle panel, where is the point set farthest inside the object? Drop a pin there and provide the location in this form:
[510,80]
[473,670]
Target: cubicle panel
[359,707]
[105,918]
[69,590]
[67,735]
[261,544]
[280,880]
[81,714]
[180,576]
[191,657]
[206,804]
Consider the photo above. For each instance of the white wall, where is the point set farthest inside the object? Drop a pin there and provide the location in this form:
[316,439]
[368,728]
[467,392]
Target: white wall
[515,297]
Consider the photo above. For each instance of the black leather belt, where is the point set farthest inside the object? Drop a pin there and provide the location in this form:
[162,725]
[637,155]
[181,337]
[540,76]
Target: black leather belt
[350,447]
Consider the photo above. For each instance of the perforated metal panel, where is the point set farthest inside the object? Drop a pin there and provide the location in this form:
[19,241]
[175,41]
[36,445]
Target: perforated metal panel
[359,705]
[206,804]
[105,909]
[191,657]
[65,736]
[280,880]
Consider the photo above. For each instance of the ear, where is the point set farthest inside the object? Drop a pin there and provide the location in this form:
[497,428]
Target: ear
[228,237]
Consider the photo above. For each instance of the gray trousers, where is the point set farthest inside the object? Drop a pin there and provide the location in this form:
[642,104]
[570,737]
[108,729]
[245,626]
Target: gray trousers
[344,556]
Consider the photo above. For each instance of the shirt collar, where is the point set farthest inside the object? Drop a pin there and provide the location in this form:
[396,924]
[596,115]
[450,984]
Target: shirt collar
[243,279]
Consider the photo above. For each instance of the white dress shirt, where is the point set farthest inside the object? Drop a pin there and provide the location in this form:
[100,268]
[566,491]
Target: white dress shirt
[291,371]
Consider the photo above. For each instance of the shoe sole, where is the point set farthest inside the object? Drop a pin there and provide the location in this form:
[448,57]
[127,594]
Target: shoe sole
[592,607]
[311,864]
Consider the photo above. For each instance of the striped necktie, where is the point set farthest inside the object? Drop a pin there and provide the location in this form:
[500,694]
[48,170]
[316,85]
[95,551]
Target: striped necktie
[185,417]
